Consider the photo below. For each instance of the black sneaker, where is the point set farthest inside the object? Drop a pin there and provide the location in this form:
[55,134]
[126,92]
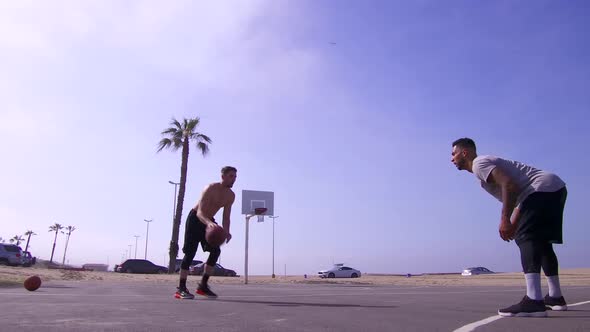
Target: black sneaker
[184,294]
[526,308]
[555,303]
[206,291]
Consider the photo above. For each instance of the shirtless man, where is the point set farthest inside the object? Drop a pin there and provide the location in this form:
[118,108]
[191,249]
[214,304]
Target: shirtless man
[214,197]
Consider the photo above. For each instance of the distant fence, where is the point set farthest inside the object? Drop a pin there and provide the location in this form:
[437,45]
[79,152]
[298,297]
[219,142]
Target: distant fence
[412,274]
[96,267]
[85,267]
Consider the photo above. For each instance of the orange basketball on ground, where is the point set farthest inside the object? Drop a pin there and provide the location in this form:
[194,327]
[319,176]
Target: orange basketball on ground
[215,236]
[32,283]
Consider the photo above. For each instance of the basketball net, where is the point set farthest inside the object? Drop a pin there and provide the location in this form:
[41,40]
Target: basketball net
[259,213]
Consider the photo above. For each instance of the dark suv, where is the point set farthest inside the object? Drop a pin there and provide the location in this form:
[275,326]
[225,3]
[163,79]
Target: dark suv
[140,266]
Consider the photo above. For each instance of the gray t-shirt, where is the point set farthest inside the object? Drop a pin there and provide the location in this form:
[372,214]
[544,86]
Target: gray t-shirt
[527,178]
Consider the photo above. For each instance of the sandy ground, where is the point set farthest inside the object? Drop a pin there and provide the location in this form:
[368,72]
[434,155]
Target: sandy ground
[11,276]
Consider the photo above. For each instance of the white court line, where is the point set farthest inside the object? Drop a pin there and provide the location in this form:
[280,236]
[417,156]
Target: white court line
[579,303]
[472,326]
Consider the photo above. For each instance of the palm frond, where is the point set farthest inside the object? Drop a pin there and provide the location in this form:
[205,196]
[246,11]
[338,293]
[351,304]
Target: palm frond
[170,131]
[177,144]
[178,135]
[192,125]
[182,131]
[55,227]
[176,124]
[164,144]
[202,137]
[203,147]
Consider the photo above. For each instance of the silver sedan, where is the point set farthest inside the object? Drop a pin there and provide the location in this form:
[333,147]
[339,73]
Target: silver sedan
[475,271]
[340,271]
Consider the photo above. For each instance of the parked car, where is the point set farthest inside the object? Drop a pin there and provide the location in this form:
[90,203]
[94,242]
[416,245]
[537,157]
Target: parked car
[217,271]
[28,259]
[475,271]
[10,254]
[340,271]
[140,266]
[179,261]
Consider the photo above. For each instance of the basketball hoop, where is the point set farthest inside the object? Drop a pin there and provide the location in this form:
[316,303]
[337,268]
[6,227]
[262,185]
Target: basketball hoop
[256,203]
[260,213]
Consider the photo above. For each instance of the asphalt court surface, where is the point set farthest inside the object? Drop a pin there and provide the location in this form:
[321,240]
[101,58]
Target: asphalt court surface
[142,306]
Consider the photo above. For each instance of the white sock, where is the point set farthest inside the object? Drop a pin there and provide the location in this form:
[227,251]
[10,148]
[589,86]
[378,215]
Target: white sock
[554,288]
[533,286]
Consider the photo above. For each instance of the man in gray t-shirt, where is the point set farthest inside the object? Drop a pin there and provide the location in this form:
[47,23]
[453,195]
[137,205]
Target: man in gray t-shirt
[526,178]
[532,214]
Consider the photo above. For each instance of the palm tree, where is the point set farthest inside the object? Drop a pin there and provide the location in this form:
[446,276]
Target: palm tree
[28,234]
[180,136]
[68,232]
[54,228]
[17,238]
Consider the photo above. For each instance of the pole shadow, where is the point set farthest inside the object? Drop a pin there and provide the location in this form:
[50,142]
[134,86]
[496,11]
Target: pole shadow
[304,304]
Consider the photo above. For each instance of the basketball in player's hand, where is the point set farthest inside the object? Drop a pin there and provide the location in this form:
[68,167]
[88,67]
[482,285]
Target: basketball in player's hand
[215,235]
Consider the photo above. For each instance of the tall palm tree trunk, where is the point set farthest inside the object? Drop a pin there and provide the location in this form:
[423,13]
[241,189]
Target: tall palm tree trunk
[28,240]
[63,262]
[179,204]
[53,249]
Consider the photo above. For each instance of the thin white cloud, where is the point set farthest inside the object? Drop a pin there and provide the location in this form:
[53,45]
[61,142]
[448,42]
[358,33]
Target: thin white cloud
[237,47]
[64,64]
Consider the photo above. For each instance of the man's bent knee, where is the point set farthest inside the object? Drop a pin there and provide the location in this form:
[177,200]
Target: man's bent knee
[213,257]
[187,259]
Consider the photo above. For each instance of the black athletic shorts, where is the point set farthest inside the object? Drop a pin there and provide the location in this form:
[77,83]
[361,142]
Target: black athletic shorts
[194,234]
[541,217]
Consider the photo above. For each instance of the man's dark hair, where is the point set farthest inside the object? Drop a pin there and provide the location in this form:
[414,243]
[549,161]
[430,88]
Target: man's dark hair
[228,169]
[465,142]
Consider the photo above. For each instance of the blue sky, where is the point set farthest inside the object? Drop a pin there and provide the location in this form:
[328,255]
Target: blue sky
[346,112]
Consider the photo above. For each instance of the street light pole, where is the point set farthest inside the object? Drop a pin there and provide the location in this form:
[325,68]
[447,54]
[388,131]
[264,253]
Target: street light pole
[273,244]
[136,237]
[174,207]
[130,245]
[147,232]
